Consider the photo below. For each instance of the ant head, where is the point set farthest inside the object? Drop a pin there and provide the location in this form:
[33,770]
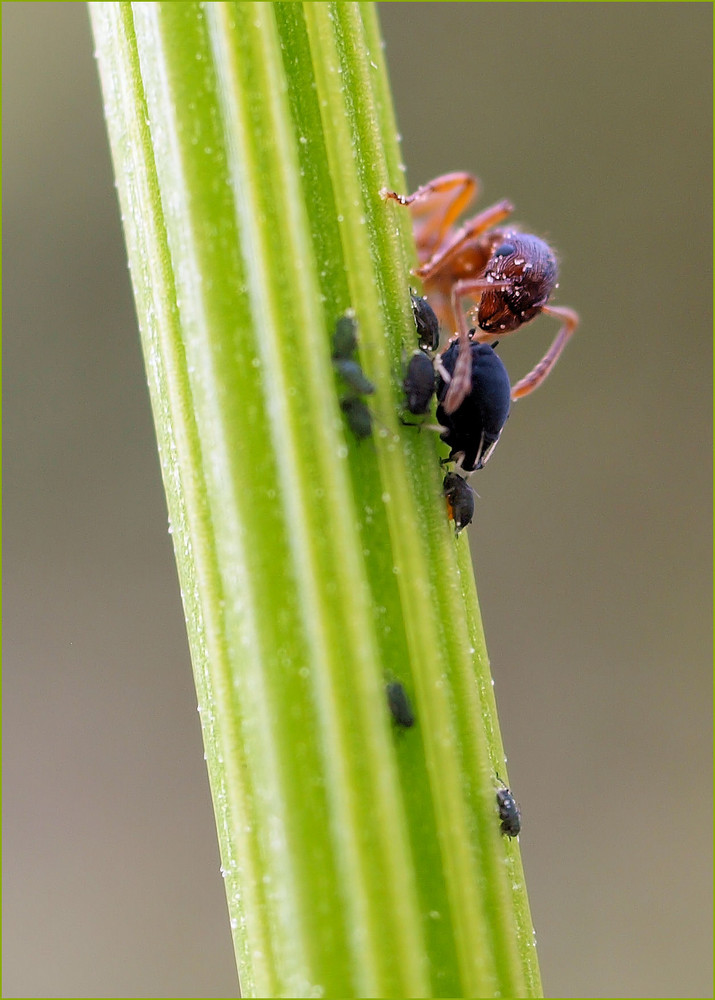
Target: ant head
[529,265]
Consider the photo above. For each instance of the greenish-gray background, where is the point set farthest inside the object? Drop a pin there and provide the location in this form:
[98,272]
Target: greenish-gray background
[592,537]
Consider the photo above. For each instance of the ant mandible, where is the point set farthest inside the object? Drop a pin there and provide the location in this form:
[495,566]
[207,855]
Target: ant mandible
[509,274]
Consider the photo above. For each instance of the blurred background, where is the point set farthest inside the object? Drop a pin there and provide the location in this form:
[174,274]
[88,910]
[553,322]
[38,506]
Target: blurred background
[592,539]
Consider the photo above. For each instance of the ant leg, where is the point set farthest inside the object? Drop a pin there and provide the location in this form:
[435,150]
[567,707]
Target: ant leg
[469,233]
[537,374]
[441,370]
[461,384]
[435,207]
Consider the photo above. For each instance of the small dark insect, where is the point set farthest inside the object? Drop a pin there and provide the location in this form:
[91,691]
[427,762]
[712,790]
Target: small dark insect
[419,383]
[399,704]
[345,338]
[353,406]
[473,429]
[426,322]
[357,415]
[460,500]
[508,276]
[352,373]
[509,813]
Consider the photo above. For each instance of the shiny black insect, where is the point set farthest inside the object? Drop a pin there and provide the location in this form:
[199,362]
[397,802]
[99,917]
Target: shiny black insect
[352,404]
[509,813]
[473,430]
[460,500]
[419,383]
[399,704]
[426,323]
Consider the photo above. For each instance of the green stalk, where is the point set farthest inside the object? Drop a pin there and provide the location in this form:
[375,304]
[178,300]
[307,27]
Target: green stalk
[250,141]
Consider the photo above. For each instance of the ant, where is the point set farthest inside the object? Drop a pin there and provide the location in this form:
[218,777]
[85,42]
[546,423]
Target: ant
[510,275]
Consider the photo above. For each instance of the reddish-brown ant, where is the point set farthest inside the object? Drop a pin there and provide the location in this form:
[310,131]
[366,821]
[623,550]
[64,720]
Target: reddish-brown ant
[510,275]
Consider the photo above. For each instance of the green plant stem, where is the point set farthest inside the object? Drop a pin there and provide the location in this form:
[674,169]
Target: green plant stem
[250,142]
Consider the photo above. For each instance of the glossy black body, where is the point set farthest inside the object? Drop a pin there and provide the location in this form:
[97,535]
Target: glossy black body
[473,430]
[426,322]
[460,499]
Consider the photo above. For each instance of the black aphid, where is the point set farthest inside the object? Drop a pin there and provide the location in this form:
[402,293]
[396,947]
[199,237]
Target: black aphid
[426,323]
[354,376]
[473,430]
[460,500]
[357,415]
[509,813]
[419,383]
[399,704]
[352,404]
[345,338]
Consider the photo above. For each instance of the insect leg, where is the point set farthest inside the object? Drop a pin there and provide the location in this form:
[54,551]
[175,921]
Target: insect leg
[461,383]
[459,243]
[436,206]
[537,374]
